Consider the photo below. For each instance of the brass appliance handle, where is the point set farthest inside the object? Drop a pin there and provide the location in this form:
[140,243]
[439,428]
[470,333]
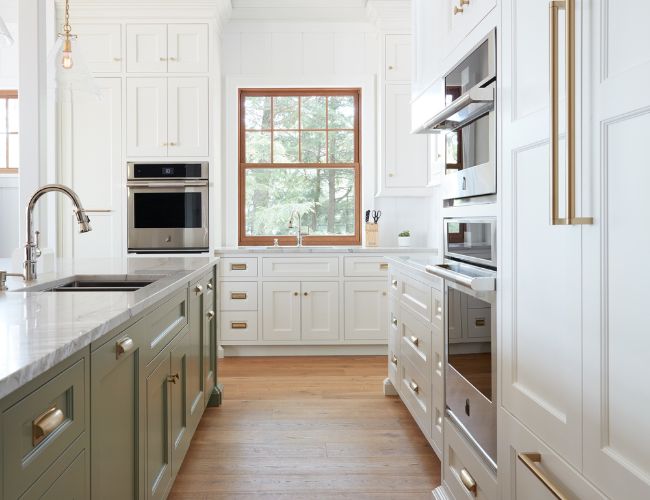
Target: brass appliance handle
[468,481]
[531,461]
[123,346]
[46,423]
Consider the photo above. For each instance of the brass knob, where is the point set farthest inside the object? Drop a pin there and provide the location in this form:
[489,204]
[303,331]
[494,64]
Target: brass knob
[198,288]
[414,340]
[390,67]
[173,58]
[306,293]
[163,58]
[463,2]
[173,378]
[296,294]
[394,359]
[172,144]
[123,346]
[210,314]
[394,283]
[394,321]
[458,10]
[210,285]
[117,59]
[384,293]
[414,387]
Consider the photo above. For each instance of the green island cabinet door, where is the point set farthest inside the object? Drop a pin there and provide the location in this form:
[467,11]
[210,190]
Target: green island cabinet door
[117,419]
[195,360]
[180,434]
[209,336]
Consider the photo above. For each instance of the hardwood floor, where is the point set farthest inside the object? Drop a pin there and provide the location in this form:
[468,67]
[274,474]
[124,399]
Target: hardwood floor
[307,427]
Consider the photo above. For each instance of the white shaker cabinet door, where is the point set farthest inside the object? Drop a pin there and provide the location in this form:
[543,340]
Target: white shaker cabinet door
[188,116]
[320,310]
[281,311]
[146,48]
[146,116]
[398,58]
[541,342]
[366,310]
[187,48]
[615,321]
[101,45]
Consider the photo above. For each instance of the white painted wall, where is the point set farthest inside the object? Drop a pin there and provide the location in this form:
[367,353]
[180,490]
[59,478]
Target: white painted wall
[305,54]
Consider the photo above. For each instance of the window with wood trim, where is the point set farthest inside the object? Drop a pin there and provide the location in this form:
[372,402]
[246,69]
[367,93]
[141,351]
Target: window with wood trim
[9,146]
[299,151]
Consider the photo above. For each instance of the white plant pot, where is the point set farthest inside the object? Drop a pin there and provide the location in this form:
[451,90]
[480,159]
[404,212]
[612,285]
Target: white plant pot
[404,241]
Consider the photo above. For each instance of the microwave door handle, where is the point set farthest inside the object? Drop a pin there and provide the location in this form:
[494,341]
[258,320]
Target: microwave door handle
[474,96]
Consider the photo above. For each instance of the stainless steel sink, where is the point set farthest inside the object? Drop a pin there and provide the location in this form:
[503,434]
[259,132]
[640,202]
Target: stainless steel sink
[94,283]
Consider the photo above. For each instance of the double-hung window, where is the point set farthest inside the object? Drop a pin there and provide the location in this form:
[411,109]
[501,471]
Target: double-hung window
[299,152]
[9,147]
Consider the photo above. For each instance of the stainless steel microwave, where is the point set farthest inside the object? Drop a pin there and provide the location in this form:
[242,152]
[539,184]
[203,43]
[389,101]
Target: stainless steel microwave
[471,239]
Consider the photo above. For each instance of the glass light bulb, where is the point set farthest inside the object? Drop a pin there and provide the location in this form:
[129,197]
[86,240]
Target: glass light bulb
[66,60]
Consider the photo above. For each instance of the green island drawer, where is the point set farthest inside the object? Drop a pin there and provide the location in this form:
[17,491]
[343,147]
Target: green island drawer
[163,323]
[38,428]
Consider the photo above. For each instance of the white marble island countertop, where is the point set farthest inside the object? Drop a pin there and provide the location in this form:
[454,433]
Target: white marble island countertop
[39,329]
[320,249]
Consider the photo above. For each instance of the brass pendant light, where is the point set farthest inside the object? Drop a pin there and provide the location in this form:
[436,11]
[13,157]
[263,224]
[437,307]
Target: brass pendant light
[66,58]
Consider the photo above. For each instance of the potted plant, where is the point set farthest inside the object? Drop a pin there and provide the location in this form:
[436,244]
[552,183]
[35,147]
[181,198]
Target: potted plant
[404,239]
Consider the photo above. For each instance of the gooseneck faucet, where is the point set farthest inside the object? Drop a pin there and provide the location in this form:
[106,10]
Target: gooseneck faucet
[32,250]
[291,226]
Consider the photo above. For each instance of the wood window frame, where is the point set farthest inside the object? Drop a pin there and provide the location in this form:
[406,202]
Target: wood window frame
[352,240]
[8,94]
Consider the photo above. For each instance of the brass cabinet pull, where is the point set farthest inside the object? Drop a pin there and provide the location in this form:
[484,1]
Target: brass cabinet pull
[394,283]
[173,378]
[530,460]
[468,481]
[305,294]
[458,10]
[46,423]
[394,321]
[123,346]
[210,285]
[210,314]
[569,7]
[238,295]
[163,58]
[383,266]
[414,340]
[296,294]
[393,359]
[172,58]
[198,288]
[414,387]
[238,267]
[238,325]
[117,59]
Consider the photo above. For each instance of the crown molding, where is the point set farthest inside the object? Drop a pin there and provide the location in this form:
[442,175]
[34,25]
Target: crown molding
[390,15]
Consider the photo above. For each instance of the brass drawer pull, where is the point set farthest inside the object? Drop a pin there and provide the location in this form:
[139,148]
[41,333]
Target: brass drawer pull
[198,288]
[46,423]
[394,321]
[173,378]
[414,387]
[210,285]
[383,266]
[414,340]
[479,322]
[394,359]
[468,481]
[394,283]
[458,10]
[210,314]
[530,460]
[238,295]
[238,325]
[238,267]
[123,346]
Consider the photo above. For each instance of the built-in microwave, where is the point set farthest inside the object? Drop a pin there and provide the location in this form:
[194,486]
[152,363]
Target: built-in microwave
[463,111]
[472,239]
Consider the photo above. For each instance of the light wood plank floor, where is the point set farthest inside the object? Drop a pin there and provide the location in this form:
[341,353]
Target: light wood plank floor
[307,427]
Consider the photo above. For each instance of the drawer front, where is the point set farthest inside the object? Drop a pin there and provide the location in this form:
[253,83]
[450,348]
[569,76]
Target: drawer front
[209,283]
[39,428]
[365,266]
[464,473]
[438,366]
[416,394]
[415,295]
[301,266]
[238,295]
[415,343]
[394,280]
[393,343]
[164,323]
[237,326]
[241,267]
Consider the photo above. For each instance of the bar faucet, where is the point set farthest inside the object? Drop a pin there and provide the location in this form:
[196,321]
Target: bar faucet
[291,226]
[32,250]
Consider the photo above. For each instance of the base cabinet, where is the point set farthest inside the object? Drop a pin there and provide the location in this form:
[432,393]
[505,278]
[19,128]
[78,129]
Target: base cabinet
[366,310]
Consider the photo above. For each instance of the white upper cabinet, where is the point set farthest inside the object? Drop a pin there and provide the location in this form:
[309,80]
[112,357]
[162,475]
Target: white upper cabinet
[167,116]
[428,43]
[161,48]
[187,116]
[146,48]
[463,17]
[146,116]
[101,45]
[398,58]
[187,48]
[406,155]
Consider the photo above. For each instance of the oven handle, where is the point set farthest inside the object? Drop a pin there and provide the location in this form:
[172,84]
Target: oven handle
[167,184]
[479,284]
[475,95]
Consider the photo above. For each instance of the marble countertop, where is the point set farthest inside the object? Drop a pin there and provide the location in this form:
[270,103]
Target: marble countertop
[320,249]
[40,329]
[417,262]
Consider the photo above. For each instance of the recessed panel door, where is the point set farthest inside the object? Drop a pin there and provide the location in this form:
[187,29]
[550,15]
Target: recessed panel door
[281,311]
[320,310]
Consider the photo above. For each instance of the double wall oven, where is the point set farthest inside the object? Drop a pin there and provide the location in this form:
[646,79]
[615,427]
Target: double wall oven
[469,272]
[167,207]
[463,111]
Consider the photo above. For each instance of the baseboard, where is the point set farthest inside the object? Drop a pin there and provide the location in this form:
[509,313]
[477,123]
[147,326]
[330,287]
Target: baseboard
[305,350]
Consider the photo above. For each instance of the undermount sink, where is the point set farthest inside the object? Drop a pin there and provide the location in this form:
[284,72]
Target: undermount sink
[92,283]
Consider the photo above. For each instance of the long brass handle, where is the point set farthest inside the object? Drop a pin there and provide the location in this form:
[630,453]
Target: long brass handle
[530,460]
[238,325]
[414,387]
[210,314]
[414,340]
[569,7]
[123,346]
[46,423]
[238,295]
[468,481]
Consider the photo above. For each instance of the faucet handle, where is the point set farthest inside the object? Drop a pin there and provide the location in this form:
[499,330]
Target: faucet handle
[37,250]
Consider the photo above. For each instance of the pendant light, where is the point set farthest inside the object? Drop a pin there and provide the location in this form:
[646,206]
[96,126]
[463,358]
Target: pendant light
[66,58]
[6,40]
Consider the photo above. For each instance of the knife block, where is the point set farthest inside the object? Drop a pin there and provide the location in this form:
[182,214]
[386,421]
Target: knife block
[372,234]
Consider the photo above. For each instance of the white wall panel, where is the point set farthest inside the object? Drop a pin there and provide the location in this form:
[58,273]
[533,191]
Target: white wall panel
[318,53]
[349,53]
[286,57]
[255,53]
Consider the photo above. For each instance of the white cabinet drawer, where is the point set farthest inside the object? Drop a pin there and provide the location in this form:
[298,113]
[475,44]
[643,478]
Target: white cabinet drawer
[238,266]
[415,295]
[365,266]
[462,461]
[393,343]
[416,394]
[239,325]
[525,483]
[300,266]
[238,295]
[415,343]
